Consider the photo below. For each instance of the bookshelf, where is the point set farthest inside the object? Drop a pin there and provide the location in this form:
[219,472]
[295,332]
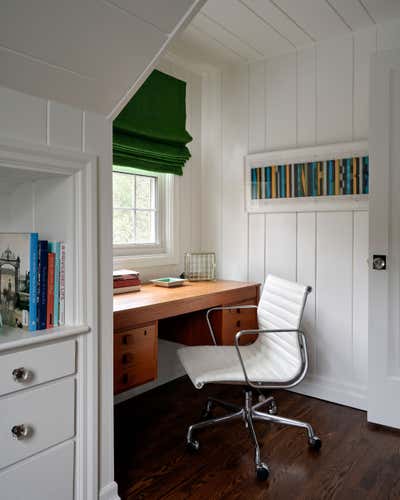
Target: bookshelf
[54,192]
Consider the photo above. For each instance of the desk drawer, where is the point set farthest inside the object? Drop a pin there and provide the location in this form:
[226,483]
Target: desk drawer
[234,320]
[48,415]
[136,339]
[135,357]
[36,365]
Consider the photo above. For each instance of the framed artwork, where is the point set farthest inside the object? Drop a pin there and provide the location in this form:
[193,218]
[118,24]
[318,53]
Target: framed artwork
[313,178]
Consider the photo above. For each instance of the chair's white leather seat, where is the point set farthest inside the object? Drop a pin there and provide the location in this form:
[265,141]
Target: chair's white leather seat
[273,357]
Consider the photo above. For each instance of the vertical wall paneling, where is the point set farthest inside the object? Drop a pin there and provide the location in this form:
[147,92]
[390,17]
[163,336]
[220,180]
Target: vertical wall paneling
[281,102]
[234,149]
[306,89]
[335,90]
[211,168]
[364,46]
[281,245]
[256,107]
[65,126]
[334,318]
[388,35]
[256,247]
[306,262]
[22,117]
[360,297]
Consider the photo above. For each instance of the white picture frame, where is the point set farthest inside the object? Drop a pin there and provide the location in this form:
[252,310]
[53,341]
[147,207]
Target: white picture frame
[300,155]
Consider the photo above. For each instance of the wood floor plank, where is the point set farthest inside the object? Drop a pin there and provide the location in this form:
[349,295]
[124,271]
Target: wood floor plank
[357,460]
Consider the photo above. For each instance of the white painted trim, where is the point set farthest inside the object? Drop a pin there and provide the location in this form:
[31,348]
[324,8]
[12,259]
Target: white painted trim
[109,492]
[298,155]
[193,10]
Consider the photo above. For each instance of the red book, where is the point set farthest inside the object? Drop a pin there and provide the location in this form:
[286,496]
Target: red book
[50,290]
[123,283]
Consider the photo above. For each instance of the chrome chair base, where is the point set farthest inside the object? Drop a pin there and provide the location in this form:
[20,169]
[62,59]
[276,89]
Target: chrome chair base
[249,413]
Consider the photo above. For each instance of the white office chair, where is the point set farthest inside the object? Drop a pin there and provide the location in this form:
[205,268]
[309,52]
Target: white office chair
[277,359]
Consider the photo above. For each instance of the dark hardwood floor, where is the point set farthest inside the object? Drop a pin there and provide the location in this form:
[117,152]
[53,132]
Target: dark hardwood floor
[357,460]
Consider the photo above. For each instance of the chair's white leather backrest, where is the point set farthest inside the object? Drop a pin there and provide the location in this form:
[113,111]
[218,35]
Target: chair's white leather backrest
[281,307]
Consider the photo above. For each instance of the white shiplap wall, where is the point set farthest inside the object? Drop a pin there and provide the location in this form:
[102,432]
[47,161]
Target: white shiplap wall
[317,95]
[43,122]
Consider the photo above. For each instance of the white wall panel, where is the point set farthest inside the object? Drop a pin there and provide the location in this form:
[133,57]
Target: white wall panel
[306,101]
[306,259]
[65,126]
[280,245]
[335,90]
[22,116]
[360,297]
[364,46]
[334,317]
[281,104]
[235,147]
[256,247]
[388,35]
[257,107]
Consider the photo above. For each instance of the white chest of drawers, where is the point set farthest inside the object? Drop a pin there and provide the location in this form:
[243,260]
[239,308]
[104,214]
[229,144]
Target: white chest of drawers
[40,405]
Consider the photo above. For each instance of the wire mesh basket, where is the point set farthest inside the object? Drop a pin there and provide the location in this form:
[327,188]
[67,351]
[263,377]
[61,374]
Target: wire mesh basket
[200,266]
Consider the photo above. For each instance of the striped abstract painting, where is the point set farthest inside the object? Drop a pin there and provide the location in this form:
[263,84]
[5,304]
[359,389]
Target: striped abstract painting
[347,176]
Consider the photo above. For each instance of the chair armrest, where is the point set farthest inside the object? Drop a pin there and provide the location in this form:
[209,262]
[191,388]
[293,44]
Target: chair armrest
[221,308]
[303,347]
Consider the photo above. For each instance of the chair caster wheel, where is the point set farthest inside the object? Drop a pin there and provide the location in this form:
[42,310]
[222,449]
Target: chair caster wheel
[192,446]
[315,443]
[272,408]
[206,415]
[262,472]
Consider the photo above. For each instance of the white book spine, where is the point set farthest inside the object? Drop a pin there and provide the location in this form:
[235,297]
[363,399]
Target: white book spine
[61,320]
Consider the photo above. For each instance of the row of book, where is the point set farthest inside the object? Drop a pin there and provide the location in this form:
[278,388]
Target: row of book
[126,280]
[32,281]
[346,176]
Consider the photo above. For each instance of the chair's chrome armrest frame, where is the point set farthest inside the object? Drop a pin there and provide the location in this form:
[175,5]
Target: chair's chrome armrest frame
[222,308]
[304,357]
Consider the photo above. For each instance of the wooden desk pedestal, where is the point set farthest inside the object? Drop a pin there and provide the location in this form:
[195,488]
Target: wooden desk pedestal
[178,315]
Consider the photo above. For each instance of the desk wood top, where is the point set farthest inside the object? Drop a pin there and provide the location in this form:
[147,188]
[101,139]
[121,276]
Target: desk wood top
[151,295]
[153,303]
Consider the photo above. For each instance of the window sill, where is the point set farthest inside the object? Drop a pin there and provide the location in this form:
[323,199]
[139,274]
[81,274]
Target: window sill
[160,259]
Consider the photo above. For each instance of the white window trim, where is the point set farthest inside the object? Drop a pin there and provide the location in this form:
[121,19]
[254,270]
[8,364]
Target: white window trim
[166,251]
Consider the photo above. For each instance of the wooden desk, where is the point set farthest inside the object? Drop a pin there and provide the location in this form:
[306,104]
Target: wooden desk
[178,315]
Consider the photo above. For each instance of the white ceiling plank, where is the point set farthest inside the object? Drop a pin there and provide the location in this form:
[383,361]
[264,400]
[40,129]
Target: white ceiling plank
[382,10]
[353,13]
[228,39]
[164,15]
[194,46]
[281,22]
[238,19]
[316,17]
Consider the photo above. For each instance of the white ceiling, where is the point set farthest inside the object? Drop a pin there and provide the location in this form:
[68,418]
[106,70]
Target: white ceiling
[231,31]
[86,53]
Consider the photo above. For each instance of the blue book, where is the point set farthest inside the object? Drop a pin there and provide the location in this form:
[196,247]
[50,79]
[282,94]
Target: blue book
[56,248]
[42,299]
[268,182]
[33,281]
[253,184]
[282,173]
[365,175]
[331,178]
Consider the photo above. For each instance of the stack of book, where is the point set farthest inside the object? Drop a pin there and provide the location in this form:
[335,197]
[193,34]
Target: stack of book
[32,282]
[126,280]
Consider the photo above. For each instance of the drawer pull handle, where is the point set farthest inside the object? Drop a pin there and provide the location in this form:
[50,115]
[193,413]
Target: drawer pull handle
[125,339]
[145,332]
[21,374]
[238,323]
[20,431]
[125,378]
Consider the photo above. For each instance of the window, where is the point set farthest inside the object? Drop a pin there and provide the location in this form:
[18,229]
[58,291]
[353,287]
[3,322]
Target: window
[143,208]
[136,215]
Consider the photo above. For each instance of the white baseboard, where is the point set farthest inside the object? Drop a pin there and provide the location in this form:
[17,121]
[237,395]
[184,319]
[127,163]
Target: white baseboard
[109,492]
[343,393]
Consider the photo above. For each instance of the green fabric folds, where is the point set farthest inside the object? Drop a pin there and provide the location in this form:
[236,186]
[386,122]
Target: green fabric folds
[150,132]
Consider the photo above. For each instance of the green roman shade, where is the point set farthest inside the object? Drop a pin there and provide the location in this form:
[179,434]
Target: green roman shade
[150,132]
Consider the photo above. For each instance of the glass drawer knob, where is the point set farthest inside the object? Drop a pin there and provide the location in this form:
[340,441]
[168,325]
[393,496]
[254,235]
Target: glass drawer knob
[20,431]
[21,374]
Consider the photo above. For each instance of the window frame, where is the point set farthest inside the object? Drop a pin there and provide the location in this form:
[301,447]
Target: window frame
[164,250]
